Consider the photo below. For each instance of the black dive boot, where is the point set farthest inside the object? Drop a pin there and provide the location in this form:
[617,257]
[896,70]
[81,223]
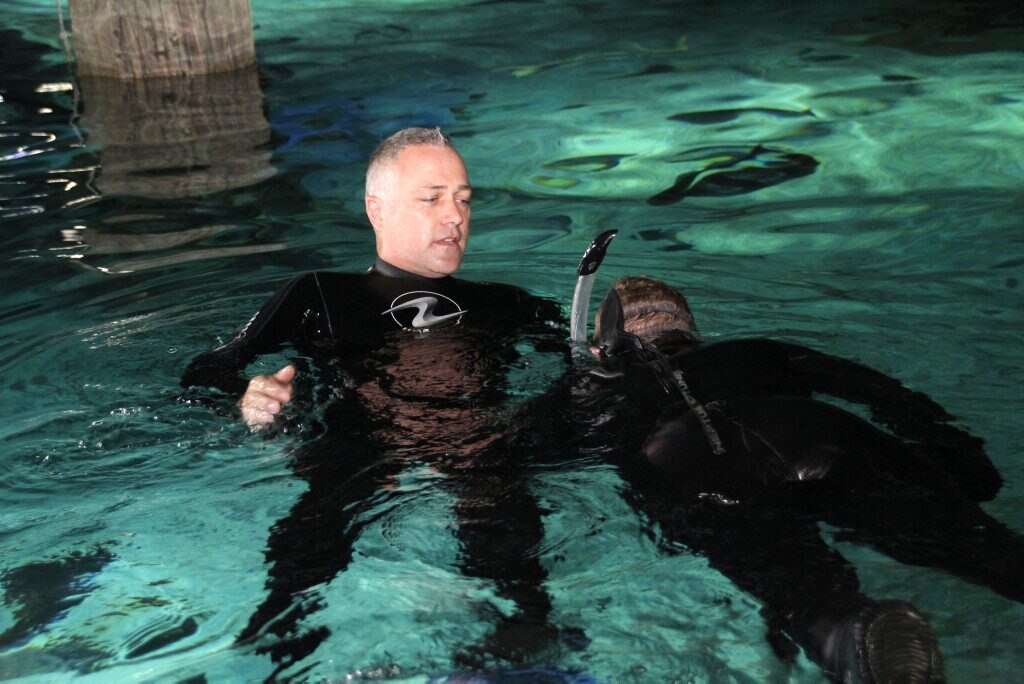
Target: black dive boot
[884,642]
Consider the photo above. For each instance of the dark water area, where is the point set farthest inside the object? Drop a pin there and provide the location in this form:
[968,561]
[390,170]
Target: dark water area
[848,178]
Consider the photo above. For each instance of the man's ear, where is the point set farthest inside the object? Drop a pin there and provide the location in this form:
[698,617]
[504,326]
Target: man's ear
[374,211]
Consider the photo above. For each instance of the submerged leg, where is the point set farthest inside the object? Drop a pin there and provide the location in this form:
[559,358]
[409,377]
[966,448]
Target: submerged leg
[938,530]
[311,545]
[810,593]
[887,641]
[499,528]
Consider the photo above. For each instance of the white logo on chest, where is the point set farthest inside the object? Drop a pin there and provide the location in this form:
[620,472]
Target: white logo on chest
[431,309]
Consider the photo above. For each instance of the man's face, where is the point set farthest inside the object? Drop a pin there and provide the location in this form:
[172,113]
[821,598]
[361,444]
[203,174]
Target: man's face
[421,219]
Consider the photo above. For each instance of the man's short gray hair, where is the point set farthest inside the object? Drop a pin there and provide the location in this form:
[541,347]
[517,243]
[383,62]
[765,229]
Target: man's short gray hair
[392,146]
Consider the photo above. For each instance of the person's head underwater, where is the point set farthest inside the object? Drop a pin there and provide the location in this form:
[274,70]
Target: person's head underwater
[645,308]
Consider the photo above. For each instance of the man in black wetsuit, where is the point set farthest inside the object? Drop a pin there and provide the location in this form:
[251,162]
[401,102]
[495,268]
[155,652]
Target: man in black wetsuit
[401,365]
[727,451]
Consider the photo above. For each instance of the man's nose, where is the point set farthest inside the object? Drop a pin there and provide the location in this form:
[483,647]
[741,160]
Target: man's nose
[453,212]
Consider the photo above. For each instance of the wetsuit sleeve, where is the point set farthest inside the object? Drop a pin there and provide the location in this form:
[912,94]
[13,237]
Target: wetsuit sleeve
[276,323]
[547,311]
[911,415]
[542,316]
[547,428]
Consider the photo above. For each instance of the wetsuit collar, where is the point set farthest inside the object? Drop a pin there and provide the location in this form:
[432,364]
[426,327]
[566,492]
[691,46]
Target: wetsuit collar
[383,268]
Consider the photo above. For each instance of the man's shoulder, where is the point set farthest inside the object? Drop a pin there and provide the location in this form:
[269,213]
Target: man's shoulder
[514,297]
[329,276]
[300,281]
[495,288]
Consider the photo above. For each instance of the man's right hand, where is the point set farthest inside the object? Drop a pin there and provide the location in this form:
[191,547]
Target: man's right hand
[265,396]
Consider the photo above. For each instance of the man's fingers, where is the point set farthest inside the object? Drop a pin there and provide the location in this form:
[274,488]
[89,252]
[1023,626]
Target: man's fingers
[265,396]
[273,386]
[286,374]
[256,418]
[258,409]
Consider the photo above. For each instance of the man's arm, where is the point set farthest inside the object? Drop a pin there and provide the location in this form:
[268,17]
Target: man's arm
[260,398]
[911,415]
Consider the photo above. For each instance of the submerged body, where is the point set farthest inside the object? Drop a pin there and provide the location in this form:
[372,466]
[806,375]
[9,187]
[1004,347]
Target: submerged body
[406,371]
[734,452]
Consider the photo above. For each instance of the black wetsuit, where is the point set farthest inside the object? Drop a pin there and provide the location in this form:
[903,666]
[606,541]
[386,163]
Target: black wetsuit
[731,450]
[398,369]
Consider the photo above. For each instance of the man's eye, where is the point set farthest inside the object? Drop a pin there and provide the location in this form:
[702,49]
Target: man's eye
[465,201]
[428,200]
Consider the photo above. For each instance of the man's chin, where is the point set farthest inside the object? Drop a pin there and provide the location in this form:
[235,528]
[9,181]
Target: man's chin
[445,267]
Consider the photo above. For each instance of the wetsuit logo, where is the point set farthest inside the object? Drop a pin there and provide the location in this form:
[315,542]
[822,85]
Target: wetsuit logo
[424,311]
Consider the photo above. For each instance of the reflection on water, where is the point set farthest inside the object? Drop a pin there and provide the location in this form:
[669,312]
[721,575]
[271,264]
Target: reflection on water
[848,178]
[164,139]
[167,138]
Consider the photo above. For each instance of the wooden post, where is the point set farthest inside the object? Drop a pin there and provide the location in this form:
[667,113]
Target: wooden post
[178,137]
[130,39]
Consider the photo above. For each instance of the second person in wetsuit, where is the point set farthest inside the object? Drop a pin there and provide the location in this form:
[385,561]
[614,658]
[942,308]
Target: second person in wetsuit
[730,451]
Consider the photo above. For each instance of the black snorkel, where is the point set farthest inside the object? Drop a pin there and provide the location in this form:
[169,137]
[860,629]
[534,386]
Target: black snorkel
[586,273]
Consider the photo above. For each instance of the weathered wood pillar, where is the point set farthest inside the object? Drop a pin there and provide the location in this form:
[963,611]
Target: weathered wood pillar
[178,137]
[130,39]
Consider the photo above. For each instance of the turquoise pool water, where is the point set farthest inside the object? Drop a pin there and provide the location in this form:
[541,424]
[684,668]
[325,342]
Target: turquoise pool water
[852,180]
